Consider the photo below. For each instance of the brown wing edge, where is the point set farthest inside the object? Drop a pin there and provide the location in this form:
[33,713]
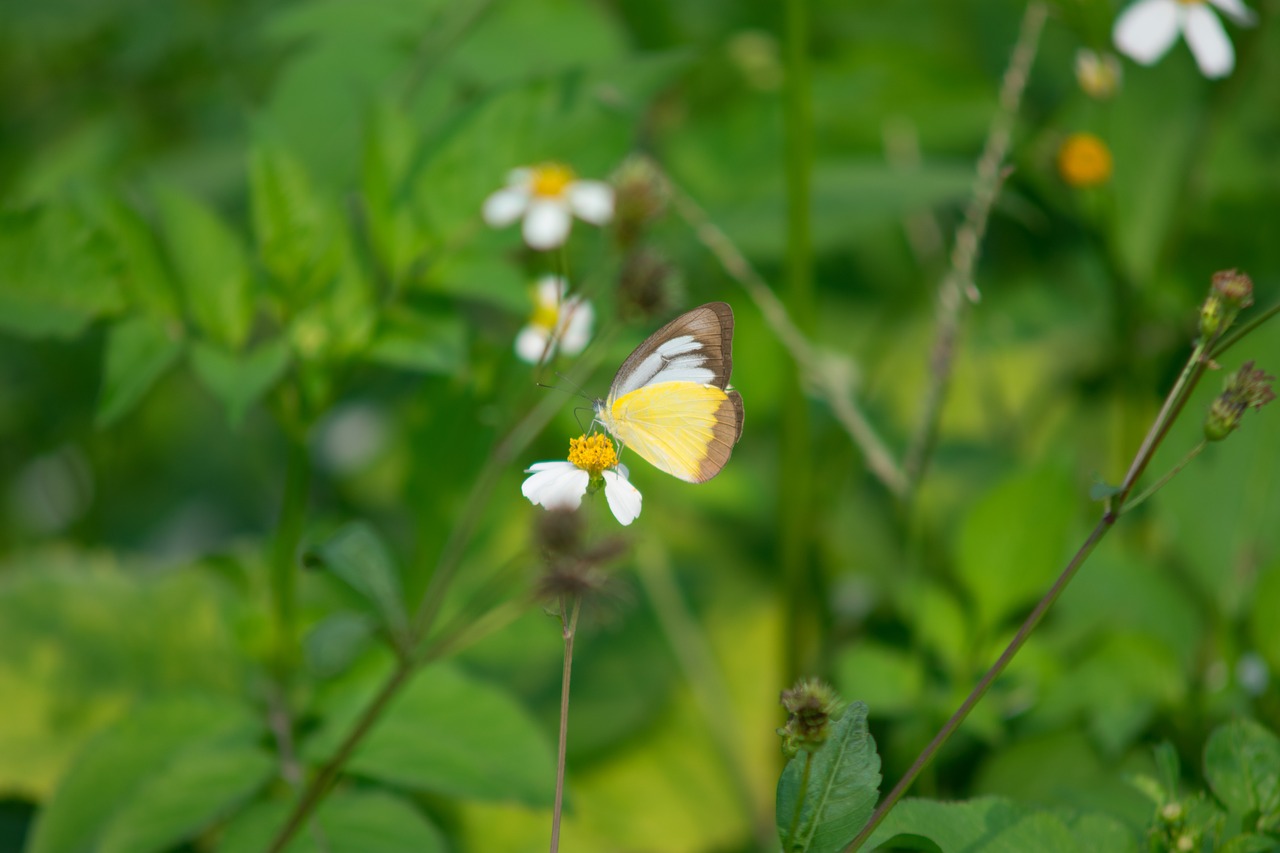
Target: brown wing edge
[719,358]
[725,434]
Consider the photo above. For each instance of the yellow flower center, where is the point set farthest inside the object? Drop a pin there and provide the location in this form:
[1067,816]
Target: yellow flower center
[550,179]
[592,453]
[1084,160]
[545,316]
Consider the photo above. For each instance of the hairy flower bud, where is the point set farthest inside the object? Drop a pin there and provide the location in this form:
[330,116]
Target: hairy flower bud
[1229,294]
[811,708]
[1247,388]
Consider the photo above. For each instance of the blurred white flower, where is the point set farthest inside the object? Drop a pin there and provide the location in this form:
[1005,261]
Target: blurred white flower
[1147,29]
[558,321]
[548,197]
[592,462]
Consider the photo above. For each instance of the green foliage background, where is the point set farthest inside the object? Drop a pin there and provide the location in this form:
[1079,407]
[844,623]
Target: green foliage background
[241,261]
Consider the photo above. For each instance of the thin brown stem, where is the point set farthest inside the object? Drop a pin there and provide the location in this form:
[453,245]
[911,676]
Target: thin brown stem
[568,627]
[1172,472]
[429,606]
[957,290]
[328,773]
[1173,405]
[1028,626]
[830,377]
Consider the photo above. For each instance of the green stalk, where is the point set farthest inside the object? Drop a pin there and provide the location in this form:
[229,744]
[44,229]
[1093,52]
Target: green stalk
[283,571]
[795,492]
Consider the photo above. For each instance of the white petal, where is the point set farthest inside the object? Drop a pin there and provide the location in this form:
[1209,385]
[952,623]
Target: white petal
[546,225]
[1209,42]
[576,320]
[624,498]
[592,201]
[551,290]
[505,206]
[1237,11]
[534,345]
[556,485]
[1146,30]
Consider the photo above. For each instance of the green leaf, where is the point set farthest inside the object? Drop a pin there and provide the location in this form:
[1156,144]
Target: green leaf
[146,278]
[841,791]
[1242,766]
[357,555]
[345,822]
[159,775]
[445,732]
[395,232]
[996,825]
[415,341]
[1006,563]
[139,351]
[333,645]
[1249,843]
[212,267]
[92,639]
[57,273]
[302,241]
[239,380]
[889,680]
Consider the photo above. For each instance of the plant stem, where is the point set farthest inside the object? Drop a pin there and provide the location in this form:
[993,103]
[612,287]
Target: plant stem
[1173,405]
[1159,484]
[795,499]
[957,290]
[324,778]
[284,551]
[882,810]
[1231,340]
[568,628]
[694,654]
[432,599]
[829,377]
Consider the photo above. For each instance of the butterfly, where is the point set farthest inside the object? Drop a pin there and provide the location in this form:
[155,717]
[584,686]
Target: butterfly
[671,401]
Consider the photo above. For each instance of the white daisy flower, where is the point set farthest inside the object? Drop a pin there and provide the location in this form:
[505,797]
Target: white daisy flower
[548,197]
[592,464]
[1147,29]
[558,321]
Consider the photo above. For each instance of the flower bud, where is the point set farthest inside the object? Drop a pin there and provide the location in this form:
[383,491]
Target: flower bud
[811,707]
[1246,388]
[1230,293]
[640,197]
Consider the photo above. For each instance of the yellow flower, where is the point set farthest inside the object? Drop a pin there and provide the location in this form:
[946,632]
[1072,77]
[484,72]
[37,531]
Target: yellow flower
[1084,160]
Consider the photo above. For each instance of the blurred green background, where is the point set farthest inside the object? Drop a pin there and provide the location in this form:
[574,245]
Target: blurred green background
[241,245]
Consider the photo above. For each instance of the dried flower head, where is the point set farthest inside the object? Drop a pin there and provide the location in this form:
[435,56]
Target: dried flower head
[1230,292]
[645,285]
[812,705]
[1247,388]
[641,195]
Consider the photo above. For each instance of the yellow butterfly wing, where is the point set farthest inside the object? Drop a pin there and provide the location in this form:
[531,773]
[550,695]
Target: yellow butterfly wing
[687,429]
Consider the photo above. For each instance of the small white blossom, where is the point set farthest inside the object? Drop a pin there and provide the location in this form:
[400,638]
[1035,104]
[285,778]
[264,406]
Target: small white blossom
[561,485]
[1147,29]
[559,322]
[548,197]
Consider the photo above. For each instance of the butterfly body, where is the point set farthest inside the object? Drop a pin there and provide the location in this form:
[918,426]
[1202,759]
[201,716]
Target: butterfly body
[671,401]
